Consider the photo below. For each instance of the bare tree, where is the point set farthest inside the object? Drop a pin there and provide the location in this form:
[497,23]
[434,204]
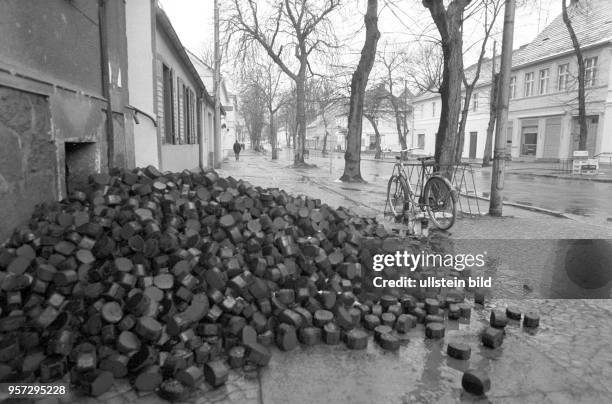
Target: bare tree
[425,67]
[287,114]
[270,79]
[295,29]
[449,22]
[488,11]
[373,109]
[359,81]
[253,111]
[393,61]
[582,118]
[488,150]
[324,93]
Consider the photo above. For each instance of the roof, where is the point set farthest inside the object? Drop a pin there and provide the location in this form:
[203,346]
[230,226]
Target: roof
[199,61]
[592,22]
[164,23]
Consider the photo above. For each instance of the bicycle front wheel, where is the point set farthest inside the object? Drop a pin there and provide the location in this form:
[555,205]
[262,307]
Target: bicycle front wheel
[397,197]
[440,202]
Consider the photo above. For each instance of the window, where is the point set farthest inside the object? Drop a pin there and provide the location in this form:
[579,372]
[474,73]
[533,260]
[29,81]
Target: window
[189,115]
[528,84]
[422,111]
[421,140]
[544,75]
[590,68]
[168,99]
[563,77]
[512,87]
[475,102]
[433,109]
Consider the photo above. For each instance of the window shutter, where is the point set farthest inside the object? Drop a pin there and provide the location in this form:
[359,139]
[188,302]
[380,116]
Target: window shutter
[192,116]
[180,126]
[175,105]
[159,94]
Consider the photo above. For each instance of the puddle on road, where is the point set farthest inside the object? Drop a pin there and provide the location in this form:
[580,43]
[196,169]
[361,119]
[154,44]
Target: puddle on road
[549,269]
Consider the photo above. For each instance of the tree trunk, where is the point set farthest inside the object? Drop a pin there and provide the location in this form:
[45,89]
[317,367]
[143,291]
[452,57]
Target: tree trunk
[582,119]
[359,81]
[462,123]
[273,136]
[300,119]
[488,150]
[398,124]
[378,150]
[449,22]
[323,150]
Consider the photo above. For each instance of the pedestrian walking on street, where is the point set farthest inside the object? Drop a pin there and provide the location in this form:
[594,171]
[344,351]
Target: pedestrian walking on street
[237,150]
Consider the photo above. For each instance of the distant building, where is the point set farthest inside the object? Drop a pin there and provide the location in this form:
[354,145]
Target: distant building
[543,107]
[337,121]
[228,102]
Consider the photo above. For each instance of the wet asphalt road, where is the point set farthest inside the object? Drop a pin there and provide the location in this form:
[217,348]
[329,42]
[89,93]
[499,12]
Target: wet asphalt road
[588,200]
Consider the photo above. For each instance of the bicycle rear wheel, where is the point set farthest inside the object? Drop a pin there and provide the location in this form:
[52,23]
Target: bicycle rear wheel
[440,202]
[397,198]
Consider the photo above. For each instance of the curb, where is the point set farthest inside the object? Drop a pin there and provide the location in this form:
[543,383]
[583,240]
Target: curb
[548,212]
[602,180]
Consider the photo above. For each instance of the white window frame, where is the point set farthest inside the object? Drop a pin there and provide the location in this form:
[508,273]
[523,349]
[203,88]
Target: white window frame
[529,82]
[433,109]
[512,87]
[544,78]
[475,102]
[562,77]
[590,71]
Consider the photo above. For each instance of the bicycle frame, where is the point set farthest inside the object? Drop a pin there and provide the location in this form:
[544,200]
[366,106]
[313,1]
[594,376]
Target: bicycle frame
[400,169]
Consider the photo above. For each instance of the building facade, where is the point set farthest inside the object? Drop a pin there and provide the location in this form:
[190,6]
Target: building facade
[543,108]
[63,98]
[183,105]
[228,103]
[88,85]
[336,118]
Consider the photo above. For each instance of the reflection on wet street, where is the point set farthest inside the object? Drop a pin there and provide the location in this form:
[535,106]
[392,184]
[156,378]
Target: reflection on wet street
[588,199]
[566,360]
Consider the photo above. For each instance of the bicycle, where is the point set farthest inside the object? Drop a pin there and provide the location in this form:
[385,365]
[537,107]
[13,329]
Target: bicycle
[438,198]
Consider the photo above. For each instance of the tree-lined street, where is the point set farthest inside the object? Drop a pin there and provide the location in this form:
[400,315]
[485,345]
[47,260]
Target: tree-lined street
[585,202]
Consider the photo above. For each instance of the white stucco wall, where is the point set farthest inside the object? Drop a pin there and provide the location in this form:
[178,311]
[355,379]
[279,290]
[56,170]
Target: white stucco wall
[141,80]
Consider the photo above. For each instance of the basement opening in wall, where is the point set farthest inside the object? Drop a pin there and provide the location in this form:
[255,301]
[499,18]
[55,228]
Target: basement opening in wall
[80,162]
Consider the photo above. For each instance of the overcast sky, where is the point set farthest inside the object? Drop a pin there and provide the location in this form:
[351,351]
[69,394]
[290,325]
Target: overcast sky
[193,22]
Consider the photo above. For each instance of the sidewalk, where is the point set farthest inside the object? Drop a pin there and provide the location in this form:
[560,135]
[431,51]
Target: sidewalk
[369,199]
[553,170]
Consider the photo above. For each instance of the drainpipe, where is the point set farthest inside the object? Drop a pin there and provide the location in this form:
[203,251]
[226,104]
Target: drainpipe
[200,129]
[110,135]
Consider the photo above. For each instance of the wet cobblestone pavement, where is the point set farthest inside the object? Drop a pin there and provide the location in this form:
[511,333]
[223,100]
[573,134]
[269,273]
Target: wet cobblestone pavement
[568,359]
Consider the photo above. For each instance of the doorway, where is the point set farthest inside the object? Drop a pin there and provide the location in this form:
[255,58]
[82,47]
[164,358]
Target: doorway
[80,162]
